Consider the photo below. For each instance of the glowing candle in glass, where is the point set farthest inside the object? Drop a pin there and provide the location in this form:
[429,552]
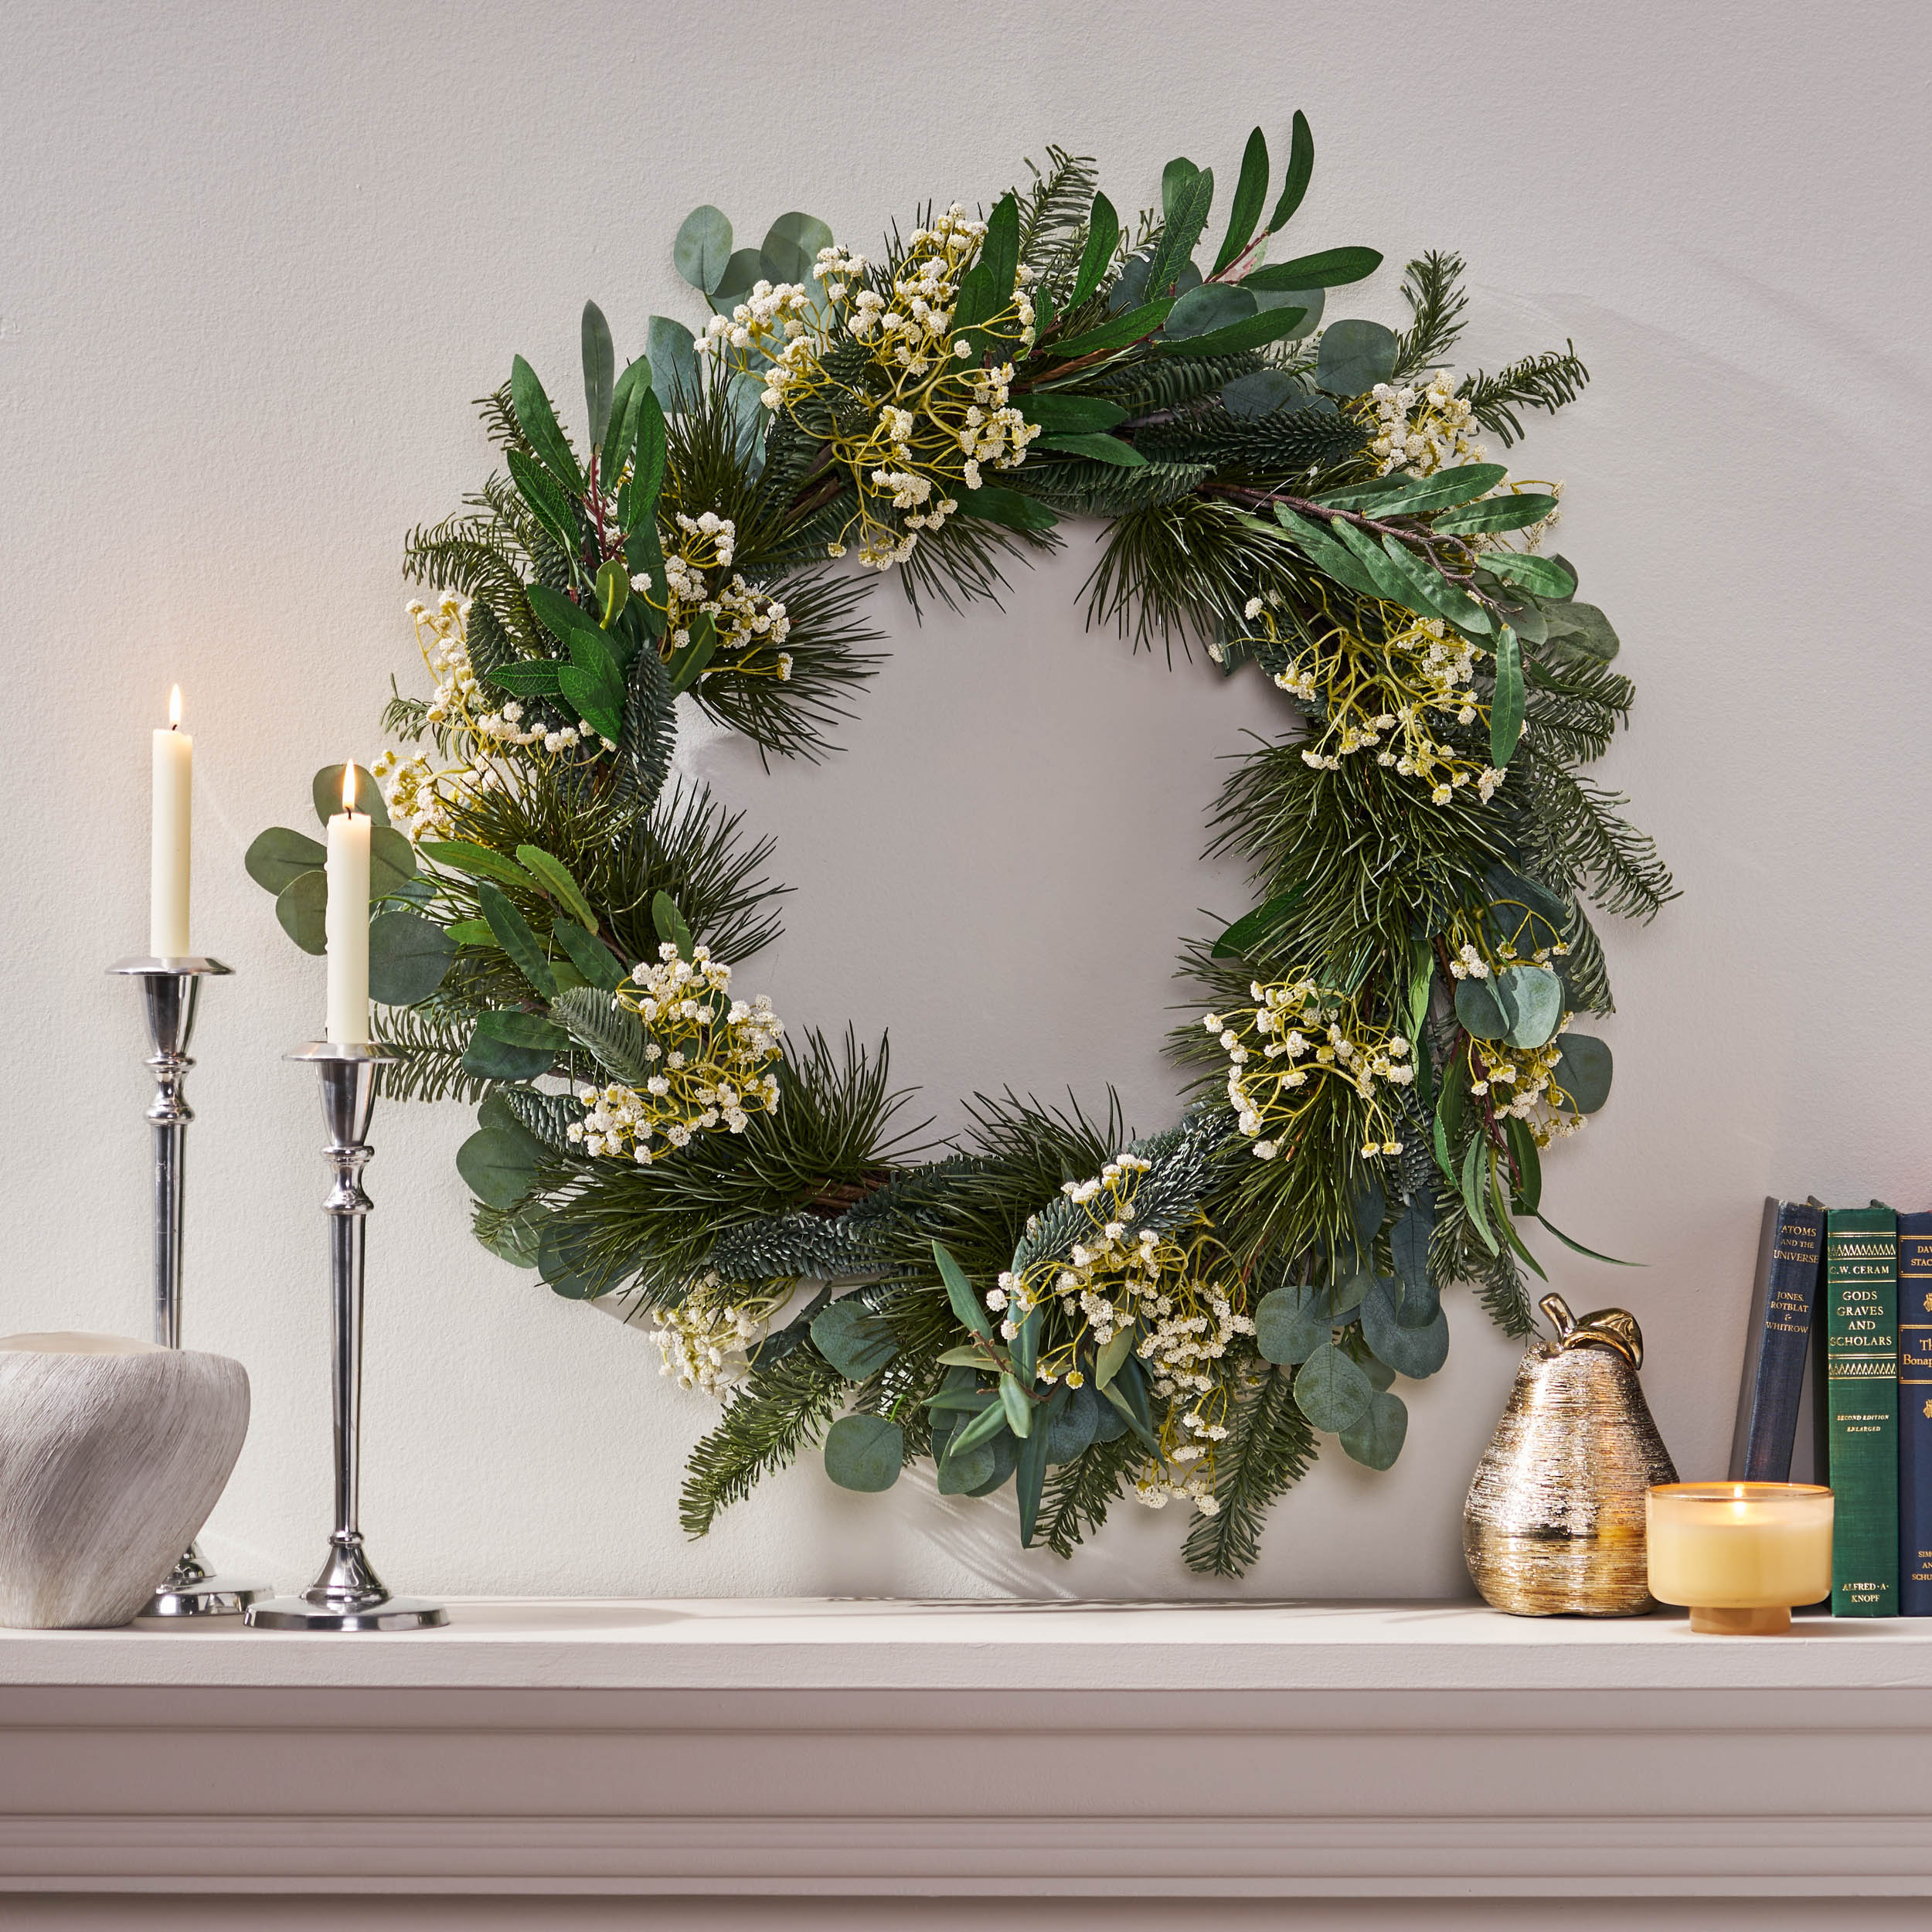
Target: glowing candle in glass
[1740,1554]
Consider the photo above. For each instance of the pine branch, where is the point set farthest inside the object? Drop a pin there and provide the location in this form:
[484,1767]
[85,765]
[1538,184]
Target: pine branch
[1075,1501]
[1545,381]
[1269,1450]
[429,1048]
[781,1409]
[1431,285]
[1582,839]
[1053,212]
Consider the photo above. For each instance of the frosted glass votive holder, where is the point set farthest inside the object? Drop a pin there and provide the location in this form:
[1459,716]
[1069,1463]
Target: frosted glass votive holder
[1740,1554]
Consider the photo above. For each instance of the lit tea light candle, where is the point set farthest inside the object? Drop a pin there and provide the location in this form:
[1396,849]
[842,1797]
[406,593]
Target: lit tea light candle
[346,923]
[173,803]
[1740,1554]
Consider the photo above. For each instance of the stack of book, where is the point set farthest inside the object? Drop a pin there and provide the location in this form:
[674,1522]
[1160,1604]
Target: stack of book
[1838,1389]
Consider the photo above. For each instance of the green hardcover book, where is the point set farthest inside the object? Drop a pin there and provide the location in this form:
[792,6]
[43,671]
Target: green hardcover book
[1861,1383]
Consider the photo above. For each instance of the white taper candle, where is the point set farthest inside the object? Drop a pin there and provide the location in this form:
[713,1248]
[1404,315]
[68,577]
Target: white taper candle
[174,787]
[346,923]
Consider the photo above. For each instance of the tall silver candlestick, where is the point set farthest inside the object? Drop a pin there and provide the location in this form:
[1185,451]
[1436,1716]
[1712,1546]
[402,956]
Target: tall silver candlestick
[348,1595]
[171,991]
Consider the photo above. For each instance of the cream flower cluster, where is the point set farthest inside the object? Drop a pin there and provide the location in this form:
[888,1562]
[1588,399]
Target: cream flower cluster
[1423,430]
[711,1054]
[419,794]
[748,620]
[705,1342]
[930,423]
[1297,1035]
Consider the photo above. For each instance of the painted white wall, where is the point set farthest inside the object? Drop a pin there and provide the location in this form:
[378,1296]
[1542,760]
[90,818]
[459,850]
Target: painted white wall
[256,260]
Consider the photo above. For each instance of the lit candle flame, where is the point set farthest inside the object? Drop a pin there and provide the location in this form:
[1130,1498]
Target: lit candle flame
[174,708]
[349,787]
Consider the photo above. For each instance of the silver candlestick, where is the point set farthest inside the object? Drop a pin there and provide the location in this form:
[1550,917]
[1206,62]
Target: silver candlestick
[348,1595]
[171,991]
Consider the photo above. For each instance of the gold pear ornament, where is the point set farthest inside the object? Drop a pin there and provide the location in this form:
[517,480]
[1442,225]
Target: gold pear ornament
[1554,1524]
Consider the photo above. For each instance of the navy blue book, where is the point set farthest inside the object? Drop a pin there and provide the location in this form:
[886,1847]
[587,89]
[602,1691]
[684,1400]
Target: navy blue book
[1785,1299]
[1915,1415]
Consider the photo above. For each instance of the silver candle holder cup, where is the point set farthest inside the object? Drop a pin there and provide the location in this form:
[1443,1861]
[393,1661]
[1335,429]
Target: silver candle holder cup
[347,1594]
[171,991]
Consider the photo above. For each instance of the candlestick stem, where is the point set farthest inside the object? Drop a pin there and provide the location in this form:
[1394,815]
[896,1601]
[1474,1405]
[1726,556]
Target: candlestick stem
[171,990]
[347,1594]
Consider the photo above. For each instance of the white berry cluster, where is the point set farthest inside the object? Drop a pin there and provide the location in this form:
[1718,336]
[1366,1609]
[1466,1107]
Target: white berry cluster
[419,794]
[711,1054]
[749,621]
[1297,1035]
[1424,430]
[705,1342]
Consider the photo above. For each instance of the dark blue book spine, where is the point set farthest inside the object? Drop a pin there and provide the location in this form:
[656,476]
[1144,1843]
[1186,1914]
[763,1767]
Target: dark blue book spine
[1784,1299]
[1915,1415]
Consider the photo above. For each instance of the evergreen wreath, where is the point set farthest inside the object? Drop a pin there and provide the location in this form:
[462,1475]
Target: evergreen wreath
[1388,1045]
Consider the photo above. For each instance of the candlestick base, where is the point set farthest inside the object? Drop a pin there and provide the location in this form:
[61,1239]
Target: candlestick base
[1775,1622]
[190,1590]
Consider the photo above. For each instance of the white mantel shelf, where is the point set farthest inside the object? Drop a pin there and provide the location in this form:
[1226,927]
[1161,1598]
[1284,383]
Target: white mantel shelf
[1068,1753]
[831,1643]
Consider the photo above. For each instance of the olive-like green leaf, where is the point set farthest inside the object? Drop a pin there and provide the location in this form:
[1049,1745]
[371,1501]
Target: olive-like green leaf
[1251,192]
[864,1452]
[1127,1393]
[1252,928]
[990,1422]
[856,1341]
[959,1291]
[1418,496]
[600,369]
[1375,1439]
[672,351]
[1018,1405]
[1008,508]
[632,386]
[302,907]
[1029,1471]
[702,247]
[1415,1351]
[1582,627]
[279,857]
[1542,577]
[552,507]
[596,696]
[1578,1248]
[1212,305]
[999,249]
[1332,268]
[1477,1155]
[1529,1191]
[1515,512]
[537,421]
[1117,332]
[326,790]
[1118,1347]
[613,592]
[472,932]
[409,957]
[791,246]
[1024,1349]
[1427,594]
[1252,332]
[684,665]
[1332,558]
[1064,415]
[555,878]
[1102,232]
[391,862]
[498,1167]
[515,1027]
[1583,1071]
[1290,1324]
[1389,577]
[1354,357]
[1301,168]
[527,678]
[561,616]
[1331,1390]
[1506,702]
[513,935]
[479,861]
[668,922]
[1101,449]
[600,966]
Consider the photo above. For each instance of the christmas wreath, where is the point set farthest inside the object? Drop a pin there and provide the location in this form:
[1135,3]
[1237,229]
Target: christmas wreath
[1382,1048]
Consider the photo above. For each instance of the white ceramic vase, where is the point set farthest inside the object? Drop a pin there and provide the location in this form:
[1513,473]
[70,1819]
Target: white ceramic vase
[112,1453]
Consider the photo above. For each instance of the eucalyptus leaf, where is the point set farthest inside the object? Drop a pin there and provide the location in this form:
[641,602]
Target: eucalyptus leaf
[1415,1351]
[326,789]
[498,1167]
[864,1452]
[1375,1439]
[489,1058]
[1331,1390]
[1409,1243]
[854,1340]
[702,247]
[1071,1425]
[1582,627]
[564,1259]
[791,246]
[391,862]
[279,857]
[1212,306]
[672,350]
[1259,394]
[302,907]
[742,268]
[409,957]
[1290,1324]
[1583,1072]
[515,1027]
[1029,1470]
[1354,357]
[964,1473]
[1532,996]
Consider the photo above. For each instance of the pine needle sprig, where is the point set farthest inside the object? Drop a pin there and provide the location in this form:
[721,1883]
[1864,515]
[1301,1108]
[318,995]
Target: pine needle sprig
[1545,381]
[783,1408]
[1078,1494]
[1269,1450]
[1432,287]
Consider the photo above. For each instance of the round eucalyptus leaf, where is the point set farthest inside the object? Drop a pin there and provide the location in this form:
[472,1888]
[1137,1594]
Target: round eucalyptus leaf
[1109,1423]
[392,862]
[1213,306]
[1582,627]
[1533,996]
[279,857]
[326,790]
[746,266]
[515,1028]
[864,1452]
[1309,300]
[488,1058]
[408,957]
[1073,1425]
[1260,394]
[1005,1448]
[672,351]
[1354,357]
[1583,1071]
[563,1260]
[498,1167]
[516,1240]
[1331,1390]
[853,1339]
[1479,1011]
[1416,1352]
[1290,1324]
[964,1474]
[1376,1439]
[792,245]
[1379,1374]
[302,907]
[1345,1296]
[702,247]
